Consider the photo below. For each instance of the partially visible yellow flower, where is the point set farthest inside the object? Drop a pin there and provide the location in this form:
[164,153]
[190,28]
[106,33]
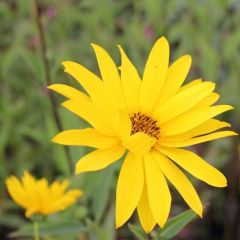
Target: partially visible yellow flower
[37,196]
[150,119]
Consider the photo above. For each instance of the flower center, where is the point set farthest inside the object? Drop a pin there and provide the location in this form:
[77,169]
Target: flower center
[144,123]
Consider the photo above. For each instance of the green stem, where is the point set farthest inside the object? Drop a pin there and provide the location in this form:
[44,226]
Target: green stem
[148,237]
[36,230]
[43,49]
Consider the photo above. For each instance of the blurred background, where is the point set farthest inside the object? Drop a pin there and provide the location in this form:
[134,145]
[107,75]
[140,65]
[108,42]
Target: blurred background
[207,30]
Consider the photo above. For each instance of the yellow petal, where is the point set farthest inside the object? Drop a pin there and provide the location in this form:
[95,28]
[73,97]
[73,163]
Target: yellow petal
[192,119]
[180,182]
[85,137]
[99,159]
[139,143]
[200,139]
[196,166]
[65,200]
[86,78]
[182,102]
[89,112]
[30,188]
[208,126]
[129,188]
[208,100]
[154,75]
[75,193]
[131,82]
[43,194]
[92,84]
[30,211]
[16,191]
[190,84]
[68,92]
[60,198]
[158,191]
[122,124]
[29,182]
[110,75]
[57,189]
[176,75]
[144,212]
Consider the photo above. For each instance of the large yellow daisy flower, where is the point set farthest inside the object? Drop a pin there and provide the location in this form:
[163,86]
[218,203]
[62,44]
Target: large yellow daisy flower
[149,119]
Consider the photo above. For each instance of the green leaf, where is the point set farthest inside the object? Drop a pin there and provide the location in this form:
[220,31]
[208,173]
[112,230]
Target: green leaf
[175,225]
[50,229]
[137,231]
[102,191]
[95,231]
[109,222]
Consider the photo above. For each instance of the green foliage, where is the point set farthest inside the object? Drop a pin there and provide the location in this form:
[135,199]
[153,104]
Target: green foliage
[175,225]
[207,30]
[137,231]
[48,229]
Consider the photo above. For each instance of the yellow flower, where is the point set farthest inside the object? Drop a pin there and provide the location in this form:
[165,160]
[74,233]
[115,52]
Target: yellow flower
[36,196]
[150,118]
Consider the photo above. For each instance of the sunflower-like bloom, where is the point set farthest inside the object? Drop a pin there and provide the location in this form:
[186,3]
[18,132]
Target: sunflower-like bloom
[149,119]
[37,197]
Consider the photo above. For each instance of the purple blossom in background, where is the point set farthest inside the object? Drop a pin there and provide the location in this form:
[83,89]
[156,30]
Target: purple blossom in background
[50,12]
[149,31]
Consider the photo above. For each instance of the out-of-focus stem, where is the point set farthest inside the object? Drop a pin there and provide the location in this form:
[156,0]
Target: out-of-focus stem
[36,230]
[43,50]
[148,237]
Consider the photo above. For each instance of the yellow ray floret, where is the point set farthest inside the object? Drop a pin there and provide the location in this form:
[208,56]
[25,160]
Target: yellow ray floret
[145,122]
[38,197]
